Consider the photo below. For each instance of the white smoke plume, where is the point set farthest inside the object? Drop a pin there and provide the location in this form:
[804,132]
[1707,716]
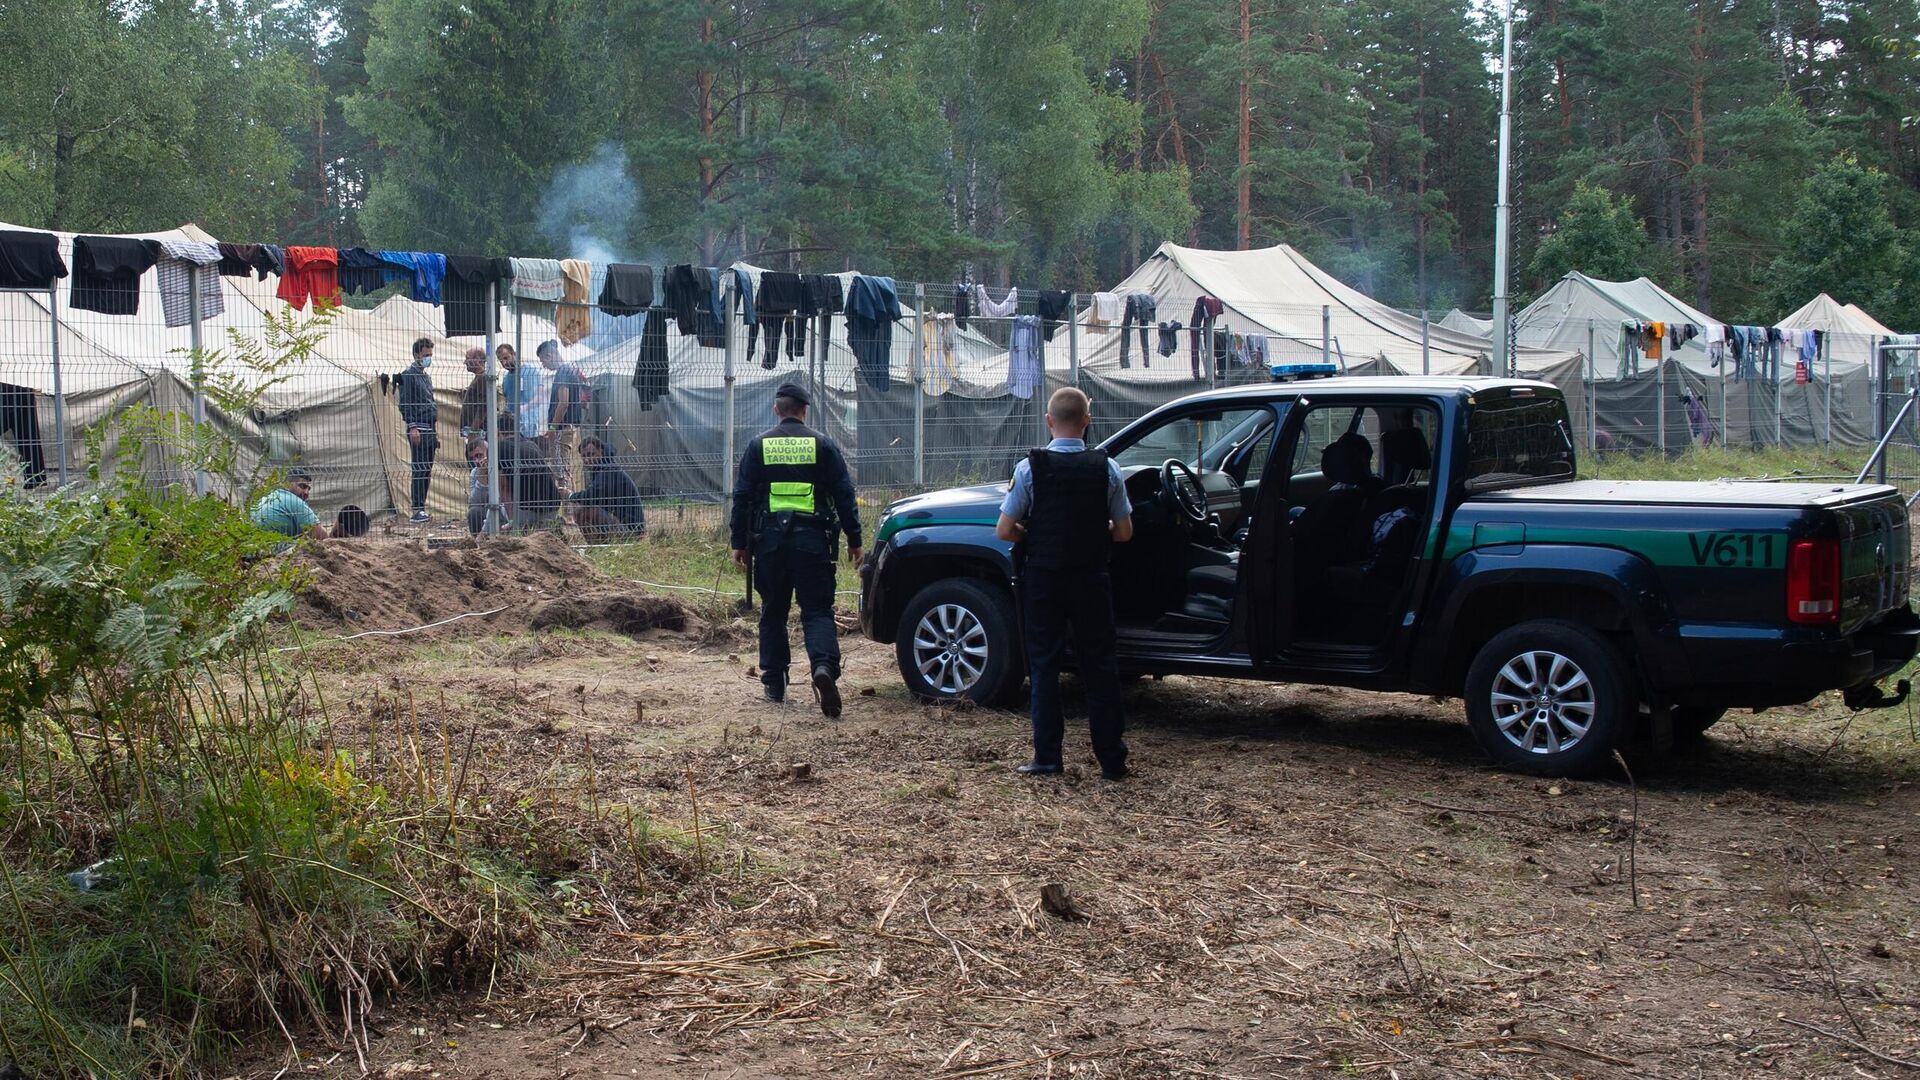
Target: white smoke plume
[592,208]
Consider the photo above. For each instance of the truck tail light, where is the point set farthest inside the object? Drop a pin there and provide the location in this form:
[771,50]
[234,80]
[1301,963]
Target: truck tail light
[1813,581]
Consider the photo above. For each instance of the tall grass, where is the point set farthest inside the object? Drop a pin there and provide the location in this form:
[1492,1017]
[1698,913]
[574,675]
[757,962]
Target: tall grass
[1721,462]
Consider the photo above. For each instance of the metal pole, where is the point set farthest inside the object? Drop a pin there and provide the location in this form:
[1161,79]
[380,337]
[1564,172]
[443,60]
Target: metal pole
[1502,211]
[1827,359]
[922,347]
[1879,383]
[1326,333]
[1780,404]
[1426,351]
[1593,381]
[1877,461]
[726,445]
[59,395]
[1660,401]
[194,339]
[1724,357]
[494,514]
[1073,337]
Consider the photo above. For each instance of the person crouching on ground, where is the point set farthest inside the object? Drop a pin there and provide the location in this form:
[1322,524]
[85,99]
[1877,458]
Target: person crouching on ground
[285,509]
[607,506]
[1067,507]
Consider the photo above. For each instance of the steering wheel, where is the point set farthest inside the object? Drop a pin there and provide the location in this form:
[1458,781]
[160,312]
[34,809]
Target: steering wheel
[1185,492]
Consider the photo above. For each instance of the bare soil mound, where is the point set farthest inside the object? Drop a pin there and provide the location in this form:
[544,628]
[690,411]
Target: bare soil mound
[508,584]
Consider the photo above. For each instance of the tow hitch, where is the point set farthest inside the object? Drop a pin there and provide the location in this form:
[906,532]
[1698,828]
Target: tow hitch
[1871,696]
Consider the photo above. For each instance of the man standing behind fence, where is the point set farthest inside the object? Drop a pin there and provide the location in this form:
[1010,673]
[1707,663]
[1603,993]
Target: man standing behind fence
[422,417]
[1068,505]
[474,403]
[793,497]
[566,409]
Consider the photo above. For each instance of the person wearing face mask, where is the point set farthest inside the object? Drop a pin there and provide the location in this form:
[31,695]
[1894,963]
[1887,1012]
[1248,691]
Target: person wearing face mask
[422,417]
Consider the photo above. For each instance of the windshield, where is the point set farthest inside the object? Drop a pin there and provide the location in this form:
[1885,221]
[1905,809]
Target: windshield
[1204,440]
[1517,440]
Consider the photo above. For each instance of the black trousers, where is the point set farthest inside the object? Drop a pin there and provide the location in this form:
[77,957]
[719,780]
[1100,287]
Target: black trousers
[795,561]
[1059,602]
[421,457]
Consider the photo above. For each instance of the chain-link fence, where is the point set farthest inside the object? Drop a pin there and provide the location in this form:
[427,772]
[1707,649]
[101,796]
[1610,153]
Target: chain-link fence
[952,391]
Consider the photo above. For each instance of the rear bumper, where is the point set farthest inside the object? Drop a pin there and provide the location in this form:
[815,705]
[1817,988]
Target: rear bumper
[1770,666]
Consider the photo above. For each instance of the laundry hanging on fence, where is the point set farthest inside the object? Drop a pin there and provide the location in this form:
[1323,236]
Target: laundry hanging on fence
[781,298]
[1169,338]
[1107,309]
[537,287]
[937,363]
[423,271]
[575,320]
[20,421]
[239,260]
[363,271]
[1025,370]
[962,305]
[106,273]
[1205,310]
[1055,307]
[312,273]
[693,293]
[1140,308]
[1257,353]
[628,289]
[1002,310]
[30,260]
[182,263]
[651,366]
[469,291]
[873,306]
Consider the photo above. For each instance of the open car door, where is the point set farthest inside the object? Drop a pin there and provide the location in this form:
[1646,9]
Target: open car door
[1266,558]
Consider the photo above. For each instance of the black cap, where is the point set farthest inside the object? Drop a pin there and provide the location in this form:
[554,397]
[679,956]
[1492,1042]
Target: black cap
[794,391]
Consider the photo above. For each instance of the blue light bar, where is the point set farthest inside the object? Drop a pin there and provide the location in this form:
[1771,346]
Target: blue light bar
[1288,372]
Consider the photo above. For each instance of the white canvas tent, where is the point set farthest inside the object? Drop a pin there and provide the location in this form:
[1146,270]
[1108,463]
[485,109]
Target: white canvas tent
[1850,332]
[1462,323]
[1562,316]
[1278,292]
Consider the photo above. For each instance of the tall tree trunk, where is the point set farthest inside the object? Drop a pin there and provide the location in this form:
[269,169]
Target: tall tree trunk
[1245,208]
[703,97]
[1560,82]
[1697,155]
[63,145]
[1179,138]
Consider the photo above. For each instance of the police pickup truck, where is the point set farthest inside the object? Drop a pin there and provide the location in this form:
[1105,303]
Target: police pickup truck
[1429,535]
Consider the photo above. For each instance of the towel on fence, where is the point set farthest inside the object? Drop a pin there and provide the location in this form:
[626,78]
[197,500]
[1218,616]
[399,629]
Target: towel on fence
[1107,308]
[1025,370]
[182,263]
[1002,310]
[537,286]
[575,320]
[938,367]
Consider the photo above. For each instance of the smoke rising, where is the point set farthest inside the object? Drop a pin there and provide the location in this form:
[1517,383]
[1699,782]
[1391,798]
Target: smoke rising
[593,208]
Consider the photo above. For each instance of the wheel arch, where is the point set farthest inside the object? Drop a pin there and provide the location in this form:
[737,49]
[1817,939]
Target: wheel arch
[913,565]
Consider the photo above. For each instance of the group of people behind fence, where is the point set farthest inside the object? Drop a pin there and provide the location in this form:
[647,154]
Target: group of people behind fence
[538,428]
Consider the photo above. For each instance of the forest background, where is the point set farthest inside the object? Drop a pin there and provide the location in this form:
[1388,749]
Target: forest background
[1745,153]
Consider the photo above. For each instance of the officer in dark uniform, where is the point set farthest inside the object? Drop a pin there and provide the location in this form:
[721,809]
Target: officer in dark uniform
[792,498]
[1066,507]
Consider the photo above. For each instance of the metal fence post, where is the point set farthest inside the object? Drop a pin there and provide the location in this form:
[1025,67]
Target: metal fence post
[59,395]
[1593,386]
[1724,441]
[921,347]
[1827,363]
[194,340]
[1660,401]
[727,441]
[1326,333]
[1073,338]
[1780,404]
[493,416]
[1426,352]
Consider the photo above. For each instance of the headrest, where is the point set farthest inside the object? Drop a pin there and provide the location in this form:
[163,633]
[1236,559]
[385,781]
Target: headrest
[1346,459]
[1406,448]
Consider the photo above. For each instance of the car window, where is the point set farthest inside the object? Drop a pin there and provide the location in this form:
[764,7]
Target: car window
[1402,438]
[1323,425]
[1201,439]
[1518,440]
[1257,452]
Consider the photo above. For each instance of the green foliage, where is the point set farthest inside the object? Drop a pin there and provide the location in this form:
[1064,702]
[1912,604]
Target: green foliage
[1842,240]
[1597,235]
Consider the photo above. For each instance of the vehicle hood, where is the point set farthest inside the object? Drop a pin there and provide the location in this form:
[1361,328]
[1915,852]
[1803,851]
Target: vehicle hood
[1750,493]
[977,505]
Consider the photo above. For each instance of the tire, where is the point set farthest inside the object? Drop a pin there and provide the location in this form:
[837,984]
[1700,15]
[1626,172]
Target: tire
[973,617]
[1507,718]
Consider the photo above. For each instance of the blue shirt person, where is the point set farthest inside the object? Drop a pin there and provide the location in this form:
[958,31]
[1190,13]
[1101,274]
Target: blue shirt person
[285,510]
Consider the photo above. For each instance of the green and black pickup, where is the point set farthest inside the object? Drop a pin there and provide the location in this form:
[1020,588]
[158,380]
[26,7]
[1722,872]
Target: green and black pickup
[1428,535]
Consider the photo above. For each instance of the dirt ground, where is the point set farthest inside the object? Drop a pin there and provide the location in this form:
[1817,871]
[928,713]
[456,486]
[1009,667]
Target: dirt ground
[1298,882]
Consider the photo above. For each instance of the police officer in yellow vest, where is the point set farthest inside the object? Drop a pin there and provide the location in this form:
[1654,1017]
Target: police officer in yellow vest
[791,500]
